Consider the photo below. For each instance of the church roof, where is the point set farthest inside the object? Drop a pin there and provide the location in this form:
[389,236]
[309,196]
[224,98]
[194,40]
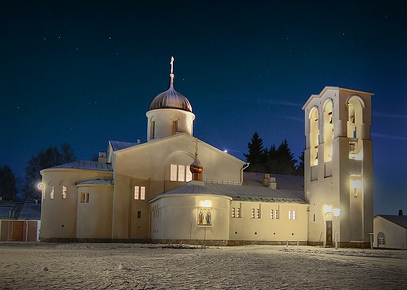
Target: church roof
[96,182]
[119,145]
[85,165]
[291,182]
[243,193]
[400,220]
[171,99]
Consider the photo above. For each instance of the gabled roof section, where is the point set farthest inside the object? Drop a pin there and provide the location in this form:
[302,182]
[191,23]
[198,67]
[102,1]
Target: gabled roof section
[185,136]
[84,165]
[400,220]
[119,145]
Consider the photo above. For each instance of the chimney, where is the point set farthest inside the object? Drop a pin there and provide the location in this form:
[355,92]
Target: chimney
[266,179]
[400,212]
[102,157]
[273,183]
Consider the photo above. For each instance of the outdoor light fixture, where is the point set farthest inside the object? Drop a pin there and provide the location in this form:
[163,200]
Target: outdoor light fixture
[40,185]
[206,203]
[337,212]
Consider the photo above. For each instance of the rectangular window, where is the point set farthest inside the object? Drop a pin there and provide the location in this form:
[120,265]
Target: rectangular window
[51,194]
[136,192]
[181,172]
[84,197]
[257,213]
[253,212]
[152,130]
[292,215]
[174,127]
[238,212]
[142,192]
[277,214]
[233,212]
[63,192]
[188,174]
[139,192]
[271,214]
[173,172]
[139,214]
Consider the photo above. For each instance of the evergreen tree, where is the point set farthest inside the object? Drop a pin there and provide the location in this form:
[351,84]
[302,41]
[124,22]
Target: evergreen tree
[281,160]
[8,184]
[51,157]
[299,170]
[257,155]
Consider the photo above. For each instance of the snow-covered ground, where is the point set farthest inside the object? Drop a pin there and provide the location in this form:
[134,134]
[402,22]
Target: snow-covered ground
[145,266]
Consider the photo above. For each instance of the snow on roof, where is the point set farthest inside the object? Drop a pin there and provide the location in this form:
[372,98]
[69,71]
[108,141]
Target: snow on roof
[119,145]
[85,165]
[97,182]
[30,211]
[243,193]
[291,182]
[400,220]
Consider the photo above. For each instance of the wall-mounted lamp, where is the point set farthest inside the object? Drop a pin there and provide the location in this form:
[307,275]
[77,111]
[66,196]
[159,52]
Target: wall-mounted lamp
[337,212]
[327,209]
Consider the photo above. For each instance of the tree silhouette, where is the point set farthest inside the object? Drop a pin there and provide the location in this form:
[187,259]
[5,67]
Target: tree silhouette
[257,156]
[51,157]
[8,184]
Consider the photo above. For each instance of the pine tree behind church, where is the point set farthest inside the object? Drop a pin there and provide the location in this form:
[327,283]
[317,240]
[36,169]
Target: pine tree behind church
[274,160]
[257,156]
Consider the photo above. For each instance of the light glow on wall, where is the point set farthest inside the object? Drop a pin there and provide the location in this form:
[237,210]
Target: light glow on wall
[337,212]
[327,208]
[206,203]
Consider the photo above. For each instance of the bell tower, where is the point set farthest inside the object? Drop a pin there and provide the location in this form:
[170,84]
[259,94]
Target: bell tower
[338,174]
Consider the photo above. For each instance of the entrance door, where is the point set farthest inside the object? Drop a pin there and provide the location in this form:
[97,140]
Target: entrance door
[328,233]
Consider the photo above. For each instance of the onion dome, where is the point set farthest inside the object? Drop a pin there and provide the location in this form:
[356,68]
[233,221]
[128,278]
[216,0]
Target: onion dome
[171,99]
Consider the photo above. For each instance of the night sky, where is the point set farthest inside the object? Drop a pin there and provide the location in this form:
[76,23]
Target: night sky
[85,73]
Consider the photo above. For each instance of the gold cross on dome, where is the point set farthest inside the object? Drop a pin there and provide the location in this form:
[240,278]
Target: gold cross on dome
[172,72]
[196,146]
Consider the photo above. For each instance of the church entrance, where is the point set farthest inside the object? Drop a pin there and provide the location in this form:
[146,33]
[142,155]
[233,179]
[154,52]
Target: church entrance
[328,233]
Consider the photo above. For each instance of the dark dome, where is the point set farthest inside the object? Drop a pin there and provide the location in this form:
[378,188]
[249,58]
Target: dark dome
[171,99]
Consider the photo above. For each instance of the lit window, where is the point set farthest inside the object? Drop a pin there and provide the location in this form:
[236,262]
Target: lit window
[173,173]
[142,192]
[292,215]
[271,214]
[257,213]
[188,174]
[84,197]
[277,214]
[63,192]
[253,212]
[51,194]
[136,192]
[233,212]
[139,192]
[238,212]
[181,173]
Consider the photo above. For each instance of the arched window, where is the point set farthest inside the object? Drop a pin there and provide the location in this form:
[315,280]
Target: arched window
[152,129]
[355,108]
[313,136]
[328,131]
[175,122]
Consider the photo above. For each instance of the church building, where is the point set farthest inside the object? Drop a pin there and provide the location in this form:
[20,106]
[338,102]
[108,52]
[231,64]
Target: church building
[175,188]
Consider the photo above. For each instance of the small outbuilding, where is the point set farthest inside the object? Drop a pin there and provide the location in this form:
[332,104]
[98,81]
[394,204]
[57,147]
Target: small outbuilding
[390,231]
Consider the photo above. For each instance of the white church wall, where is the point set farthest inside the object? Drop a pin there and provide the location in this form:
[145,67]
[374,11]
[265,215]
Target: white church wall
[182,217]
[395,236]
[94,214]
[58,214]
[269,222]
